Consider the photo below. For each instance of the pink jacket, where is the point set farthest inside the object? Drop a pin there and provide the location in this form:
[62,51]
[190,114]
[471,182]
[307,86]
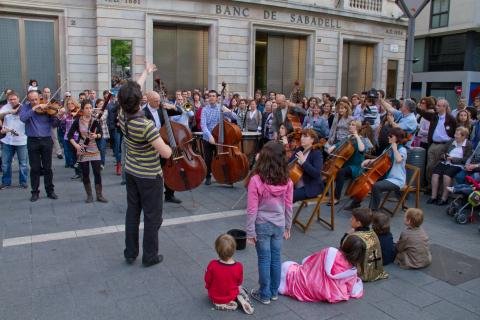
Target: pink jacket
[268,203]
[324,276]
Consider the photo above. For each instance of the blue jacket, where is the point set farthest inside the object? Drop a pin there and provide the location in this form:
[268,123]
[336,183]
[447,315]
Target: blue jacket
[312,172]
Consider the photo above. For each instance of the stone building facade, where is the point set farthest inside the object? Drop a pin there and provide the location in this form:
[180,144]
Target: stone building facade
[334,46]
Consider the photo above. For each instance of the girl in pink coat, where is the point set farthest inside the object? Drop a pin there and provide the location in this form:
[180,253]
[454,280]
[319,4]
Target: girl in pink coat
[328,275]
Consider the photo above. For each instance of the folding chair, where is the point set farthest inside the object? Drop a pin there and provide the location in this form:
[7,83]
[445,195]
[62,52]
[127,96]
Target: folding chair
[321,199]
[412,186]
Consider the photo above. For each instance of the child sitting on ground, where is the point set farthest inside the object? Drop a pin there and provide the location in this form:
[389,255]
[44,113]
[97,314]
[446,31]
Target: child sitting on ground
[371,268]
[412,248]
[224,277]
[381,226]
[328,275]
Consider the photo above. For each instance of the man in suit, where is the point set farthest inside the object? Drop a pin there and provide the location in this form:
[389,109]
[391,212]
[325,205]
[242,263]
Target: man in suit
[280,115]
[152,111]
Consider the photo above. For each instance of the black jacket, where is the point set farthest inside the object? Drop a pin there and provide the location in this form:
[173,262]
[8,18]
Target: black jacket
[170,113]
[95,127]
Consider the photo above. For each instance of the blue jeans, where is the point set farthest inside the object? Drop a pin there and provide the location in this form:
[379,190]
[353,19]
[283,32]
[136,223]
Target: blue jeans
[70,156]
[117,143]
[269,247]
[102,146]
[8,151]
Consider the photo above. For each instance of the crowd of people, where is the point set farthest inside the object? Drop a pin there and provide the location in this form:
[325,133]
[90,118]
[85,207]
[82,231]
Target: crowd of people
[300,130]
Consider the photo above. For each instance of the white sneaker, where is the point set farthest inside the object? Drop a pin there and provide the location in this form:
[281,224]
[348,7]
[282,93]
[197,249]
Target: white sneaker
[450,189]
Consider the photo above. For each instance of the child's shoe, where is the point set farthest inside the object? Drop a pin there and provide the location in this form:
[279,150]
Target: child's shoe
[231,306]
[450,189]
[244,301]
[256,295]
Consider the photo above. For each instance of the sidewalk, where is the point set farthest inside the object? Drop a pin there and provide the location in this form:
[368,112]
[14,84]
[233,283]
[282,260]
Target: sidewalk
[82,274]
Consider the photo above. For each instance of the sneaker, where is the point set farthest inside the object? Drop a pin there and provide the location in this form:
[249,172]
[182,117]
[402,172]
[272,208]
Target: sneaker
[102,167]
[75,177]
[231,306]
[244,301]
[450,189]
[256,295]
[4,186]
[274,298]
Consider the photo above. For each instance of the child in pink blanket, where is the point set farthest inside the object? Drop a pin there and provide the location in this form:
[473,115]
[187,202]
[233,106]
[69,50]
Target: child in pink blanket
[328,275]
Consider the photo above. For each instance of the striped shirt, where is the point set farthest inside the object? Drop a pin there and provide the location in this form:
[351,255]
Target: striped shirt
[141,160]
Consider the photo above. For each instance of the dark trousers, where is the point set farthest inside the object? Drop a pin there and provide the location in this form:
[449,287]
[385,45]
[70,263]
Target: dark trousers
[378,189]
[40,158]
[208,152]
[342,175]
[85,165]
[147,195]
[169,193]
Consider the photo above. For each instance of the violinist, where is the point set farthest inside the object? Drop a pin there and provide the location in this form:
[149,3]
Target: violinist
[66,120]
[311,162]
[39,145]
[153,112]
[89,130]
[351,168]
[14,141]
[46,97]
[396,177]
[210,118]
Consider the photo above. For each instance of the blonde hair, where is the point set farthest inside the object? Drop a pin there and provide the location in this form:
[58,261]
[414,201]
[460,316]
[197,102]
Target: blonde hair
[357,123]
[346,105]
[225,246]
[463,131]
[415,217]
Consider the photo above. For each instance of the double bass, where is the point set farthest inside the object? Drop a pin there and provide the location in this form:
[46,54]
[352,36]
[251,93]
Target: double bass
[185,169]
[376,169]
[229,164]
[339,156]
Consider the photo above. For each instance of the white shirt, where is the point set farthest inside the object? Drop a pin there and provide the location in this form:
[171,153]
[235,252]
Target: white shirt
[457,151]
[440,134]
[154,112]
[12,121]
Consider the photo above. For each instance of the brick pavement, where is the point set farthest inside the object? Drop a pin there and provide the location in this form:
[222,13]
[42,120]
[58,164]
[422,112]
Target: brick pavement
[86,278]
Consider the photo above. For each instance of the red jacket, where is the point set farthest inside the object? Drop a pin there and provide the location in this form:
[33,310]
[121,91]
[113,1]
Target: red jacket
[223,280]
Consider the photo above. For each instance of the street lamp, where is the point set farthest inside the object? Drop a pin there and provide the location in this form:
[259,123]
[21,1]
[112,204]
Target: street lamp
[409,60]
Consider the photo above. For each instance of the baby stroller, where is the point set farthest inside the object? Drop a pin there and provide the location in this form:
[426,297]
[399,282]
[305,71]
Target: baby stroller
[463,208]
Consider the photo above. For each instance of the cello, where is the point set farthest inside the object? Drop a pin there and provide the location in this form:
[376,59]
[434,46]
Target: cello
[229,164]
[295,171]
[338,157]
[184,170]
[376,169]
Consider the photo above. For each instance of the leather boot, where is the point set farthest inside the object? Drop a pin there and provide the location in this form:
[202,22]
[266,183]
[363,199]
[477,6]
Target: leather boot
[118,169]
[98,190]
[88,190]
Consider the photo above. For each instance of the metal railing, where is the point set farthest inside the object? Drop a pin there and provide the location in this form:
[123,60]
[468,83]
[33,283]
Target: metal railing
[365,5]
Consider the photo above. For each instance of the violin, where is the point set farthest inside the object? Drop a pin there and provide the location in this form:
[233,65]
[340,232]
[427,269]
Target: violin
[50,108]
[185,169]
[339,156]
[376,169]
[229,164]
[295,170]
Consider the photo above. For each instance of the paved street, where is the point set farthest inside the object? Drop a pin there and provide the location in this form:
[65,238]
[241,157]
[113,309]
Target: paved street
[81,274]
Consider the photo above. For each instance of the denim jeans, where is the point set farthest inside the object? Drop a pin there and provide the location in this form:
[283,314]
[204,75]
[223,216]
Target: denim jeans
[117,143]
[102,147]
[8,151]
[269,247]
[70,156]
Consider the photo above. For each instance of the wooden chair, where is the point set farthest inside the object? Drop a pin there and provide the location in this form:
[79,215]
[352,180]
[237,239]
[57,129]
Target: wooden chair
[321,199]
[412,186]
